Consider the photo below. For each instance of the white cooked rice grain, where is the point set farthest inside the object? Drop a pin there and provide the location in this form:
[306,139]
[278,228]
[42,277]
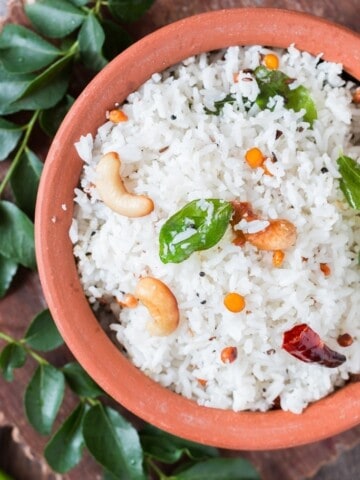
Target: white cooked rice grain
[174,152]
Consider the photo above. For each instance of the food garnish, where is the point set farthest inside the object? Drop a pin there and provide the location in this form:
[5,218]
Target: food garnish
[228,354]
[113,192]
[303,343]
[349,170]
[271,61]
[275,82]
[234,302]
[254,157]
[161,304]
[278,258]
[219,105]
[199,225]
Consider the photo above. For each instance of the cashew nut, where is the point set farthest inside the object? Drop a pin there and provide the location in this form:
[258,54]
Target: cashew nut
[279,235]
[161,303]
[112,190]
[129,301]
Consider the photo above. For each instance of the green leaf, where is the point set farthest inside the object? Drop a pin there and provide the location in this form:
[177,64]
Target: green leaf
[16,235]
[129,10]
[43,397]
[51,119]
[8,268]
[12,356]
[220,469]
[275,82]
[10,134]
[42,333]
[91,39]
[80,382]
[5,476]
[55,18]
[350,180]
[65,448]
[167,448]
[116,39]
[45,90]
[79,3]
[108,476]
[299,99]
[12,85]
[199,225]
[23,51]
[25,181]
[219,105]
[113,442]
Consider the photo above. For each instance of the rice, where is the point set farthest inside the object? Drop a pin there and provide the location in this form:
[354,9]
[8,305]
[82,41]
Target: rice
[173,151]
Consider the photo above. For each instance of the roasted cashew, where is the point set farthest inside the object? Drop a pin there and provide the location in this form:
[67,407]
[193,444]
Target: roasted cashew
[279,235]
[161,303]
[112,190]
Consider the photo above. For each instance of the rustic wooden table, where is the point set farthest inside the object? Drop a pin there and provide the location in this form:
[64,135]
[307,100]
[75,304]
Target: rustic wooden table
[20,446]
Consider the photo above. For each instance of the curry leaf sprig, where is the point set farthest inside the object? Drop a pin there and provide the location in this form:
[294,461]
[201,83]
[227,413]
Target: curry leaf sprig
[272,83]
[122,451]
[38,76]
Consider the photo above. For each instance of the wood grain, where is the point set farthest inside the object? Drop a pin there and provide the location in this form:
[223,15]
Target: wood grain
[20,446]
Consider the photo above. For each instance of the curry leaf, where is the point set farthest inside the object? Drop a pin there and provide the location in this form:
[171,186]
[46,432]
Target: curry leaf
[220,469]
[10,134]
[65,448]
[198,226]
[16,235]
[25,181]
[79,3]
[80,382]
[8,268]
[275,82]
[219,105]
[91,39]
[5,476]
[42,333]
[299,99]
[129,10]
[54,18]
[12,85]
[167,448]
[350,180]
[113,442]
[45,90]
[12,356]
[51,118]
[43,397]
[24,51]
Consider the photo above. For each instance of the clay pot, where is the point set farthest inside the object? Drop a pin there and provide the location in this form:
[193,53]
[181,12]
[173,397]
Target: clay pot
[76,322]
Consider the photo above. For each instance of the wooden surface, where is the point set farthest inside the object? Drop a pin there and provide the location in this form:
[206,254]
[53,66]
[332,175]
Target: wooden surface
[21,447]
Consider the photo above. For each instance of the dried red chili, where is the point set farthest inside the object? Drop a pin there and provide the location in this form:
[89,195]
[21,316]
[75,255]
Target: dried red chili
[242,210]
[305,344]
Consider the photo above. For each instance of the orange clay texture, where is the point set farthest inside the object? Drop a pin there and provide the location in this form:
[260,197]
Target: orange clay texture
[254,157]
[271,61]
[117,116]
[234,302]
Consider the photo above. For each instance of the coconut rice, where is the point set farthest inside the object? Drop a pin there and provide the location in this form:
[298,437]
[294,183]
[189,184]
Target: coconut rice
[173,151]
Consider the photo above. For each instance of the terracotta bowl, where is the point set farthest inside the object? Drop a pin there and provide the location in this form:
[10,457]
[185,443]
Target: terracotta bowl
[71,311]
